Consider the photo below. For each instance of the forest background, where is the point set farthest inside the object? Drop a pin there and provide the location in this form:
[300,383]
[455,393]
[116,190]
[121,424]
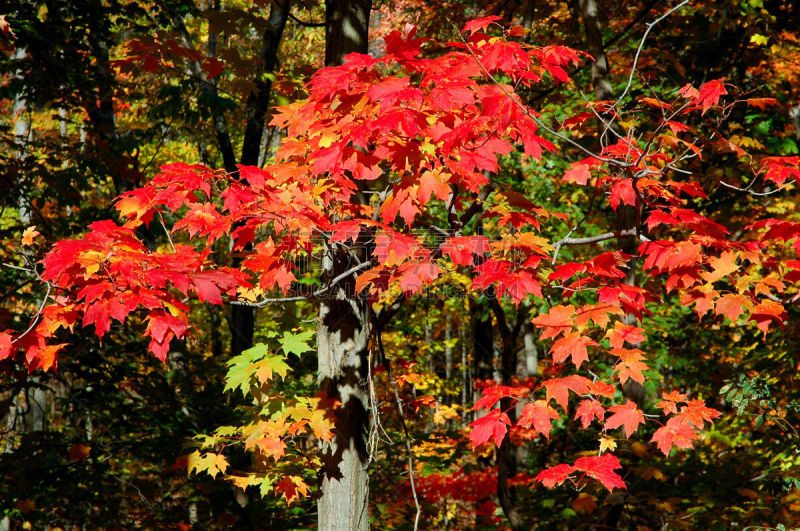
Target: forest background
[97,96]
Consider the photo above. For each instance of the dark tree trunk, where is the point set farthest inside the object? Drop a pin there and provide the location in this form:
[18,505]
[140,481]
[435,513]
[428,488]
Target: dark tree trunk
[482,340]
[242,323]
[346,29]
[506,458]
[594,42]
[258,102]
[343,333]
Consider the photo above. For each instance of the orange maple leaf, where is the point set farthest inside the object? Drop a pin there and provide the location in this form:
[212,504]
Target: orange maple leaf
[573,345]
[675,433]
[29,236]
[555,322]
[720,267]
[630,364]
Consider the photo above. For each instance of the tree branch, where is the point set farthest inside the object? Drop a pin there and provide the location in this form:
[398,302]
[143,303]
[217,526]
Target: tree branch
[314,295]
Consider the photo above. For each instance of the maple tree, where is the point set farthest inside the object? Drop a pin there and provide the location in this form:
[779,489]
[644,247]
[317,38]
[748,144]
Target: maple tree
[424,138]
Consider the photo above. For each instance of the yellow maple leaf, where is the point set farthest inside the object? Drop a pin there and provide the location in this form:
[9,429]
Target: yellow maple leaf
[607,443]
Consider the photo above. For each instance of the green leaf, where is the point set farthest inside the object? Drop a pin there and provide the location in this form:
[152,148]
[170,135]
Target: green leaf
[275,364]
[296,343]
[239,368]
[265,486]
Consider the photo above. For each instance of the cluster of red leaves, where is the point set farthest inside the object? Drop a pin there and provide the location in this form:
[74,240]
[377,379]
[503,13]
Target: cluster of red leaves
[436,127]
[473,488]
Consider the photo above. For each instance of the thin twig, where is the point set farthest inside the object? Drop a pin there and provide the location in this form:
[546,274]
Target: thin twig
[166,231]
[38,315]
[650,26]
[405,430]
[760,194]
[316,294]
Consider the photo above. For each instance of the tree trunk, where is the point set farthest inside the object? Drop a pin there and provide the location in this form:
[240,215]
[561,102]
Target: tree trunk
[531,352]
[343,333]
[346,29]
[594,42]
[482,340]
[506,458]
[258,102]
[448,356]
[342,343]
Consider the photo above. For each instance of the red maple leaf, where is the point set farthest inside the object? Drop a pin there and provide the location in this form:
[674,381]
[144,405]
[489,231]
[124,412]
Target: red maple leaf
[601,468]
[675,433]
[710,93]
[539,414]
[493,424]
[480,24]
[559,388]
[766,312]
[781,169]
[292,488]
[626,415]
[494,393]
[622,333]
[622,192]
[461,250]
[589,410]
[550,477]
[578,173]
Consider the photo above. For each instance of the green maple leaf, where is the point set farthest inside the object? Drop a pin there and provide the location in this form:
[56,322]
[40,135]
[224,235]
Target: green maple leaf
[296,343]
[240,368]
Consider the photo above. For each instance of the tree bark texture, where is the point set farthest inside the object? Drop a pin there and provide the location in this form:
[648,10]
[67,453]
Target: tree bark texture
[343,333]
[258,101]
[342,348]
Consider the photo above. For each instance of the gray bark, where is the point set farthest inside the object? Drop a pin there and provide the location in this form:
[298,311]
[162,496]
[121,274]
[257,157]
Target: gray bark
[531,352]
[342,344]
[794,114]
[343,333]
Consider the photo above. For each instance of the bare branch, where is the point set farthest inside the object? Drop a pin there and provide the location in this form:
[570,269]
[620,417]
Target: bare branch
[650,26]
[314,295]
[405,430]
[747,190]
